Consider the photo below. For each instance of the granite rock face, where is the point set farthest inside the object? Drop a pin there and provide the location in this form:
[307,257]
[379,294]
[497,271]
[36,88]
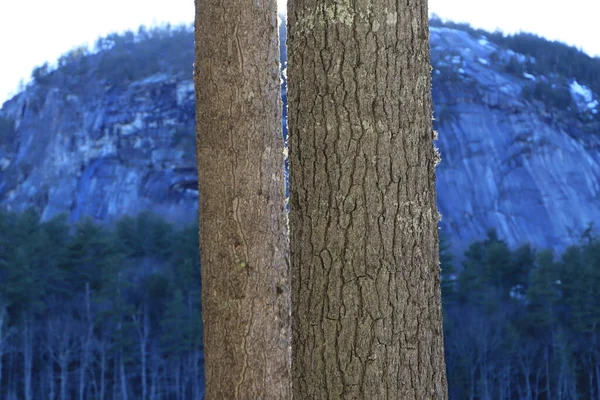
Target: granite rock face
[516,165]
[510,163]
[128,150]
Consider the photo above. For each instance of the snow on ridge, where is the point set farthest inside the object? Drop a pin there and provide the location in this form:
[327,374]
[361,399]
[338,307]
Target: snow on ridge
[581,90]
[522,58]
[584,97]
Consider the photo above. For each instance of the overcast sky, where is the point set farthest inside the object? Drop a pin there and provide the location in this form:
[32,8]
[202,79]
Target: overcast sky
[35,31]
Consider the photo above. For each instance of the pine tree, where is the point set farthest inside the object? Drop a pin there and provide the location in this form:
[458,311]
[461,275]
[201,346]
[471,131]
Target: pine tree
[243,239]
[366,317]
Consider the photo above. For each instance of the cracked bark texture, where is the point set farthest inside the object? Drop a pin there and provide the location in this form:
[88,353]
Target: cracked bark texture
[243,227]
[366,302]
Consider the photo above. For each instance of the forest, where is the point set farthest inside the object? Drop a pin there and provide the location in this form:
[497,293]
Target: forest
[96,312]
[88,312]
[523,323]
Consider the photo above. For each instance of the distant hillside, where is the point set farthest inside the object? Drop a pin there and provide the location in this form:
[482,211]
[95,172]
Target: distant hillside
[550,58]
[120,59]
[110,132]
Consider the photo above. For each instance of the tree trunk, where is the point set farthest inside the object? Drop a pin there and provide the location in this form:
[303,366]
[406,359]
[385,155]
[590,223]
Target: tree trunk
[243,238]
[3,338]
[51,387]
[102,370]
[196,388]
[27,356]
[92,387]
[115,375]
[12,382]
[123,377]
[177,377]
[142,324]
[548,377]
[154,371]
[83,359]
[366,317]
[597,369]
[63,365]
[86,343]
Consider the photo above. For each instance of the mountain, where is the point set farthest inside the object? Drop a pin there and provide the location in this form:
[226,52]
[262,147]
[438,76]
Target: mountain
[106,134]
[111,132]
[520,144]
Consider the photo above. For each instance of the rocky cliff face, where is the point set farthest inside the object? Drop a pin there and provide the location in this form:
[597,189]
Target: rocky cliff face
[515,164]
[126,150]
[509,161]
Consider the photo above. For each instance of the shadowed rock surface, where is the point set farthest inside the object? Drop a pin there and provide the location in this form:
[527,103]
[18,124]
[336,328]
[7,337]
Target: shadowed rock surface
[130,150]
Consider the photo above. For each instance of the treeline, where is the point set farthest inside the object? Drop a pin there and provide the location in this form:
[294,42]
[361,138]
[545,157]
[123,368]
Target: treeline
[88,312]
[123,58]
[554,65]
[522,324]
[119,59]
[551,57]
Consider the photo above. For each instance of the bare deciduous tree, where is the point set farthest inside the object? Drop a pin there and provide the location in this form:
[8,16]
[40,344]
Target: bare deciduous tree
[5,333]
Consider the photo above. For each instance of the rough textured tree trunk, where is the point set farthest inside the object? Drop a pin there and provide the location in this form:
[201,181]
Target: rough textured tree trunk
[366,316]
[243,239]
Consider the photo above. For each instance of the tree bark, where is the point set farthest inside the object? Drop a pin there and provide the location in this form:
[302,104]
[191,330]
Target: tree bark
[366,316]
[243,238]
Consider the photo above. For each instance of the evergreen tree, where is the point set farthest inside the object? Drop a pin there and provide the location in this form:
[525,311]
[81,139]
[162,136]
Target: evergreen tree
[366,316]
[243,238]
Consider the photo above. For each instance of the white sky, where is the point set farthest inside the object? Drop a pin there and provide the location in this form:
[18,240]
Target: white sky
[35,31]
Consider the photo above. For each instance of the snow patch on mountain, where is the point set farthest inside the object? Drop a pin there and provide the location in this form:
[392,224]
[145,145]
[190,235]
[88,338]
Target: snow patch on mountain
[584,97]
